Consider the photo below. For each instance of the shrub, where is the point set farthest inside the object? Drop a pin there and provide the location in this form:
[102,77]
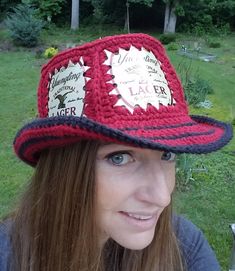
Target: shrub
[173,46]
[184,171]
[167,38]
[198,30]
[214,44]
[50,52]
[24,27]
[196,90]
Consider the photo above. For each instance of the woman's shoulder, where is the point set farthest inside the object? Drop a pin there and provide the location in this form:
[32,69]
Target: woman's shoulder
[184,229]
[5,244]
[197,252]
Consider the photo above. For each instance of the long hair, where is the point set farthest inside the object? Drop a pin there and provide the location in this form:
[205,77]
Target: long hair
[55,226]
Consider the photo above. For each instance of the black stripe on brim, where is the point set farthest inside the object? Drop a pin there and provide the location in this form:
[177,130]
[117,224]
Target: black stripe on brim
[115,134]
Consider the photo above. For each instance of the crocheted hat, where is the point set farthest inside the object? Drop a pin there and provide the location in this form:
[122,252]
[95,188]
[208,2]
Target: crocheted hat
[120,89]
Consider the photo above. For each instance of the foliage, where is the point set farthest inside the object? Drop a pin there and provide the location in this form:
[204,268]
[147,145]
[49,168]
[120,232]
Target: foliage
[112,11]
[6,5]
[172,46]
[50,52]
[197,17]
[24,27]
[98,10]
[214,44]
[192,168]
[195,87]
[207,16]
[145,2]
[233,122]
[184,167]
[179,9]
[167,38]
[196,90]
[46,9]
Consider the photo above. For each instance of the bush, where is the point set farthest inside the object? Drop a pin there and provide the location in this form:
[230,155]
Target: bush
[50,52]
[214,44]
[196,90]
[167,38]
[173,46]
[24,27]
[184,171]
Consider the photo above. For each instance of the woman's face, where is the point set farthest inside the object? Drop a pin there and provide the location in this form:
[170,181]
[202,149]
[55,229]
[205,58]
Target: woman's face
[134,186]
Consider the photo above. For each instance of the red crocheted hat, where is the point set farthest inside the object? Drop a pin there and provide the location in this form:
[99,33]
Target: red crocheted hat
[119,89]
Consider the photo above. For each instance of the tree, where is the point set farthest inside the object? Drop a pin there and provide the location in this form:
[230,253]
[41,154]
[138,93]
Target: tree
[46,9]
[23,25]
[113,11]
[208,16]
[170,17]
[75,15]
[199,15]
[174,8]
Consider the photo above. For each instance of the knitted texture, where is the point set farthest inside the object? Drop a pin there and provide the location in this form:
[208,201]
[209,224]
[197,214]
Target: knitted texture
[119,89]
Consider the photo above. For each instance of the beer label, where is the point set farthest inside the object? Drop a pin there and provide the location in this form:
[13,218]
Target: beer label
[138,79]
[66,90]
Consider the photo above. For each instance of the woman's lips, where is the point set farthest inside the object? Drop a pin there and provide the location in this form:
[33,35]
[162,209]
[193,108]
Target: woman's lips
[140,221]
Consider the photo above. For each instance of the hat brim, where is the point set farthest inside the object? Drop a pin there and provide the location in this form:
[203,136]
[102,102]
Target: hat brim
[197,134]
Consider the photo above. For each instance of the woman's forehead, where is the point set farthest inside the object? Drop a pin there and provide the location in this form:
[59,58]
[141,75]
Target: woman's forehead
[107,146]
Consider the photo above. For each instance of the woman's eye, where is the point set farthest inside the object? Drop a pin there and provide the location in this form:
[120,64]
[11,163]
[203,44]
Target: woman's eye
[119,159]
[168,156]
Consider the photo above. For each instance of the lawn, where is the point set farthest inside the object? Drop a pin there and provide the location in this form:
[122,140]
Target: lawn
[206,195]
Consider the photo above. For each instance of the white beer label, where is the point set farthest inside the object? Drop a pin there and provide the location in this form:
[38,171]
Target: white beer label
[138,78]
[66,90]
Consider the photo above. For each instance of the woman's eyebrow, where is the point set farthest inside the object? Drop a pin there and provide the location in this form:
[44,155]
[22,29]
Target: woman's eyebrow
[112,147]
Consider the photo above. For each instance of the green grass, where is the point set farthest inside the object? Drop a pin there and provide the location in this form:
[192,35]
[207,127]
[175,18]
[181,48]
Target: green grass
[19,76]
[56,36]
[207,199]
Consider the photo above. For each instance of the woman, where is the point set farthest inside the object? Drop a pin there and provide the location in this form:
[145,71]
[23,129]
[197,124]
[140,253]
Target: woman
[112,116]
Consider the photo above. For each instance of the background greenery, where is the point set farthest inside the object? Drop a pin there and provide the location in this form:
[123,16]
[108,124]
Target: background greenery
[205,183]
[198,17]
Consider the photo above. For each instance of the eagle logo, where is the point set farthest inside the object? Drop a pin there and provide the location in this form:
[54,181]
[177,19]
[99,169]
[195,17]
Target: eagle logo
[61,99]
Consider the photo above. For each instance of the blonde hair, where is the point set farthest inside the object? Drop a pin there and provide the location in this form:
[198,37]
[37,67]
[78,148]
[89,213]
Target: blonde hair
[55,226]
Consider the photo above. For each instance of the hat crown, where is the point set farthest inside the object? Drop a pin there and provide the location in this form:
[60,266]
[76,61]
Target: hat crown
[125,77]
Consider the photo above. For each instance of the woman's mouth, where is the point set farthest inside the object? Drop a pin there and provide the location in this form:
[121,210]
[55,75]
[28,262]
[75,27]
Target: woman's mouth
[140,217]
[140,221]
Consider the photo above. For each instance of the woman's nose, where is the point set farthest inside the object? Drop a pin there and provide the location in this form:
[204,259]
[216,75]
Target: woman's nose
[155,187]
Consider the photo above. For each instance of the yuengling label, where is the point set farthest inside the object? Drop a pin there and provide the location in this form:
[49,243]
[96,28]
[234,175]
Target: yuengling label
[138,79]
[66,90]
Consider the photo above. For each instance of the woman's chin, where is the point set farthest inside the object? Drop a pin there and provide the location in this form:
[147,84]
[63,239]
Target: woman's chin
[136,241]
